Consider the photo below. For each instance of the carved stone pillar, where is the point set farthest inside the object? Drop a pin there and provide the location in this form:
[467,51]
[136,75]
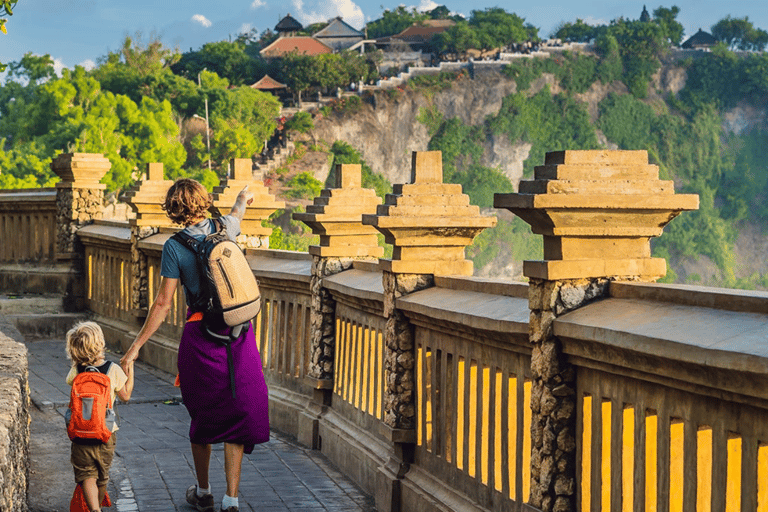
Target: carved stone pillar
[429,223]
[337,217]
[146,198]
[79,197]
[597,211]
[79,201]
[252,233]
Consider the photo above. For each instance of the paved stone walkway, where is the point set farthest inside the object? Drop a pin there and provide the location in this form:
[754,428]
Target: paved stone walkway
[153,464]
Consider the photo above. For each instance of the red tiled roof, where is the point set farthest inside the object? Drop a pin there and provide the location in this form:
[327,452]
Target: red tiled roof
[301,45]
[267,82]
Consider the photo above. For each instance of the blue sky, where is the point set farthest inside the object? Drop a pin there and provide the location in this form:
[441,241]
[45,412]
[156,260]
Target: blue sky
[80,31]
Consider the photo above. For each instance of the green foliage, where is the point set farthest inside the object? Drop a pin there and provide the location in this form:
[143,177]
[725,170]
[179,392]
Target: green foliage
[667,19]
[431,118]
[226,59]
[548,122]
[508,239]
[296,237]
[303,186]
[343,153]
[328,71]
[300,122]
[485,30]
[394,22]
[525,71]
[723,79]
[579,73]
[740,33]
[578,32]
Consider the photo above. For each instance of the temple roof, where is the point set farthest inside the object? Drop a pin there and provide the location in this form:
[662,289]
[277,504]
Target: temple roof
[302,45]
[338,28]
[288,24]
[700,39]
[266,83]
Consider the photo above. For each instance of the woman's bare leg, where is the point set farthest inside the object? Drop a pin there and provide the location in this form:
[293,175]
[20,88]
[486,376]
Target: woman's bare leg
[233,460]
[201,454]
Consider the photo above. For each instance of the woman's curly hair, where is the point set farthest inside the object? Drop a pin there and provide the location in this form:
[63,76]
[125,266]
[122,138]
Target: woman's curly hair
[186,201]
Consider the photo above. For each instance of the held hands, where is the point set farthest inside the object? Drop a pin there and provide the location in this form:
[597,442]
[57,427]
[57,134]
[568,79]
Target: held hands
[128,359]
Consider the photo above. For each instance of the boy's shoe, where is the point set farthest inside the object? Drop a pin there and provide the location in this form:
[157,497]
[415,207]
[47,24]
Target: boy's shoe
[202,503]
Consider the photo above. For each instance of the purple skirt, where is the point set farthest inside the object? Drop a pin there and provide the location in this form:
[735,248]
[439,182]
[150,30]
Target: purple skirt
[207,395]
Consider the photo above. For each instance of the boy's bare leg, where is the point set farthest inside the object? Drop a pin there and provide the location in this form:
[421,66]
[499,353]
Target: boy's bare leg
[201,454]
[91,493]
[233,460]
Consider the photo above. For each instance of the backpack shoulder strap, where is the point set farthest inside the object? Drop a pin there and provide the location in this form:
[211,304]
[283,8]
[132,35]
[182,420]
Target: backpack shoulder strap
[186,240]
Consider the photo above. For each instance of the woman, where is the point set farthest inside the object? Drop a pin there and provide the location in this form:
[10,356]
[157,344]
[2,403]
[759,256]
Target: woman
[217,416]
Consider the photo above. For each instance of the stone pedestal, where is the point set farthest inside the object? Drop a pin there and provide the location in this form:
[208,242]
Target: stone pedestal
[79,201]
[146,198]
[79,197]
[597,211]
[253,234]
[429,224]
[337,217]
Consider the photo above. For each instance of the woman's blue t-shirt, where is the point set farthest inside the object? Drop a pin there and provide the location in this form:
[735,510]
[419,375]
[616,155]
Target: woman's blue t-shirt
[178,262]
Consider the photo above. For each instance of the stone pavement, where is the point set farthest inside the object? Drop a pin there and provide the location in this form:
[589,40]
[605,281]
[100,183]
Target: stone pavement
[153,463]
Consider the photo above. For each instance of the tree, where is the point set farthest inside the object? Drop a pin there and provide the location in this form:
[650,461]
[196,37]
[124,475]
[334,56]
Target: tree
[667,19]
[6,9]
[394,22]
[226,59]
[739,33]
[578,32]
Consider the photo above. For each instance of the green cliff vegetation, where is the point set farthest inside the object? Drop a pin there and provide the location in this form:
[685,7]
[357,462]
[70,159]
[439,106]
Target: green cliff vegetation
[683,134]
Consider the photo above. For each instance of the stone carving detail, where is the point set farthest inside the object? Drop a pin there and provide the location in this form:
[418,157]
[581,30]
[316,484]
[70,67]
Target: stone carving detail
[399,362]
[323,316]
[553,392]
[140,267]
[336,216]
[76,207]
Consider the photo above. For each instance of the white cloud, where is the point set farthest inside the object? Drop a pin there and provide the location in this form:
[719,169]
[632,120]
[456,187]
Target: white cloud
[323,11]
[58,66]
[245,28]
[258,3]
[202,20]
[427,5]
[88,64]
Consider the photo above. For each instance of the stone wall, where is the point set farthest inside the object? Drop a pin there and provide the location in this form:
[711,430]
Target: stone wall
[14,420]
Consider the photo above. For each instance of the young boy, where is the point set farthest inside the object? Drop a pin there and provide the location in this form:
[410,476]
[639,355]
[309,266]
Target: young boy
[91,462]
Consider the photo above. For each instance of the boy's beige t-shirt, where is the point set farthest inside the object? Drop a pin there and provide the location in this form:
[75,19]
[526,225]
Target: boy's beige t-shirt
[117,377]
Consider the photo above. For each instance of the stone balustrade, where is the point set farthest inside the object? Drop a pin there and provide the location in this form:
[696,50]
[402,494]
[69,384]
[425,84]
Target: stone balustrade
[588,387]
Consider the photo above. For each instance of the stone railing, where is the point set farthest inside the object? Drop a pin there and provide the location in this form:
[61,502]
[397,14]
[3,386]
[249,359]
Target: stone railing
[587,388]
[14,420]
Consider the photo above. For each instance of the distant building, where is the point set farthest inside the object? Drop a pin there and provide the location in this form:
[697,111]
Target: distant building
[644,16]
[303,45]
[288,26]
[339,35]
[417,36]
[699,41]
[267,83]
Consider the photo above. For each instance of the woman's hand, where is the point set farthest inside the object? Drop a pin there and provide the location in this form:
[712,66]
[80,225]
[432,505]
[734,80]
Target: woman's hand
[130,357]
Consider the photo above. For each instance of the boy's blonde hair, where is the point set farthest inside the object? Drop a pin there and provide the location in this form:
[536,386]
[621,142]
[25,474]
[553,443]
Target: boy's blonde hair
[85,343]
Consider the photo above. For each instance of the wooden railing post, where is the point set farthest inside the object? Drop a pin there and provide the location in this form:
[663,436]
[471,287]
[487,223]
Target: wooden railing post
[429,224]
[336,216]
[597,211]
[79,201]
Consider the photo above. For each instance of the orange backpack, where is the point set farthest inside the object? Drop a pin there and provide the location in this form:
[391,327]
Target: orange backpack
[90,417]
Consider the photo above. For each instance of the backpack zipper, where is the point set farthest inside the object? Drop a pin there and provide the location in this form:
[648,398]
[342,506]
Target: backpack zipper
[226,279]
